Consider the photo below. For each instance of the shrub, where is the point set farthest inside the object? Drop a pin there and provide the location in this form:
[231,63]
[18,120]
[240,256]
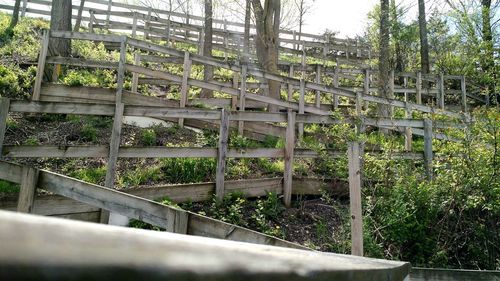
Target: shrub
[89,133]
[148,137]
[90,175]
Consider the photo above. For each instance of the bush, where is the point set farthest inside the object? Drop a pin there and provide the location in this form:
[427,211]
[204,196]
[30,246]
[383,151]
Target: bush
[89,133]
[148,137]
[188,170]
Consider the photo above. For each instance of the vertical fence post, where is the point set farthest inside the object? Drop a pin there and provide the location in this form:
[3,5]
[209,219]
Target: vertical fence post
[41,66]
[318,80]
[79,16]
[428,148]
[221,154]
[441,90]
[234,99]
[302,105]
[186,33]
[243,92]
[4,115]
[335,98]
[135,75]
[408,130]
[91,21]
[226,35]
[25,6]
[114,144]
[168,30]
[147,24]
[185,86]
[355,199]
[108,14]
[29,180]
[464,93]
[289,151]
[201,41]
[366,84]
[418,84]
[134,25]
[290,86]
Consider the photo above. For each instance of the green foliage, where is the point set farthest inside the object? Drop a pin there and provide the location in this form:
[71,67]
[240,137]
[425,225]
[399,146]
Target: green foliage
[148,137]
[15,82]
[141,175]
[95,78]
[89,133]
[230,209]
[8,187]
[90,175]
[32,141]
[188,170]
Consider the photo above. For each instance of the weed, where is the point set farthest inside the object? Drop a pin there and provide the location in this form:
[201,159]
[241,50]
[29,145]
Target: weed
[148,137]
[90,175]
[32,141]
[89,133]
[8,187]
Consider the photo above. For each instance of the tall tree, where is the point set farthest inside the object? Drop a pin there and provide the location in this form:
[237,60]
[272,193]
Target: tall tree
[384,58]
[396,35]
[303,7]
[15,14]
[488,60]
[267,21]
[424,43]
[246,38]
[208,71]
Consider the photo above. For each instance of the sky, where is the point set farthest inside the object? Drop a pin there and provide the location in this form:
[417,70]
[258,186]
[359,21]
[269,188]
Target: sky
[349,17]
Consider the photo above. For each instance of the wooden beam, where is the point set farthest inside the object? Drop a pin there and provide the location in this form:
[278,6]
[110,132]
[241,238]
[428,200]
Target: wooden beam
[464,94]
[317,98]
[419,87]
[41,65]
[222,154]
[135,76]
[29,180]
[428,155]
[4,115]
[441,97]
[242,96]
[301,106]
[184,85]
[289,153]
[355,199]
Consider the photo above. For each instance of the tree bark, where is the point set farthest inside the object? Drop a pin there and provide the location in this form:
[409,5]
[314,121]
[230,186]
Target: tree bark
[384,59]
[15,15]
[424,44]
[267,22]
[246,38]
[397,40]
[488,61]
[208,71]
[60,19]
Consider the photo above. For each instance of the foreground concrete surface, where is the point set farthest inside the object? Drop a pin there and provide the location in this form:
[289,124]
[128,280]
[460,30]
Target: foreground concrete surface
[42,248]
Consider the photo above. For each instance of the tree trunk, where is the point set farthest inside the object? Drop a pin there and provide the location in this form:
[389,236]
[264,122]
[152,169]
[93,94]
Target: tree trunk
[15,15]
[397,40]
[208,71]
[384,59]
[424,44]
[267,22]
[246,38]
[60,19]
[488,61]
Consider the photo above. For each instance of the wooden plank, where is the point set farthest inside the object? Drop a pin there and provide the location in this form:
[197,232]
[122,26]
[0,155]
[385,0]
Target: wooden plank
[408,130]
[108,199]
[335,98]
[289,153]
[4,115]
[441,97]
[222,154]
[79,16]
[242,96]
[80,246]
[428,148]
[290,86]
[355,199]
[135,76]
[317,98]
[419,87]
[463,93]
[184,86]
[29,180]
[301,107]
[41,66]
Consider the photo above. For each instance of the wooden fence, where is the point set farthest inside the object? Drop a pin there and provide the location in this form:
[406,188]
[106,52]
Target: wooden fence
[119,103]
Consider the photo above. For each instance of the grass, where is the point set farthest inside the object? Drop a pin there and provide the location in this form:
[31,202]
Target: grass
[8,187]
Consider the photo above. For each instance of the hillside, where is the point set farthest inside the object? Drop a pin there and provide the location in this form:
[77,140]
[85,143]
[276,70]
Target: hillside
[451,221]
